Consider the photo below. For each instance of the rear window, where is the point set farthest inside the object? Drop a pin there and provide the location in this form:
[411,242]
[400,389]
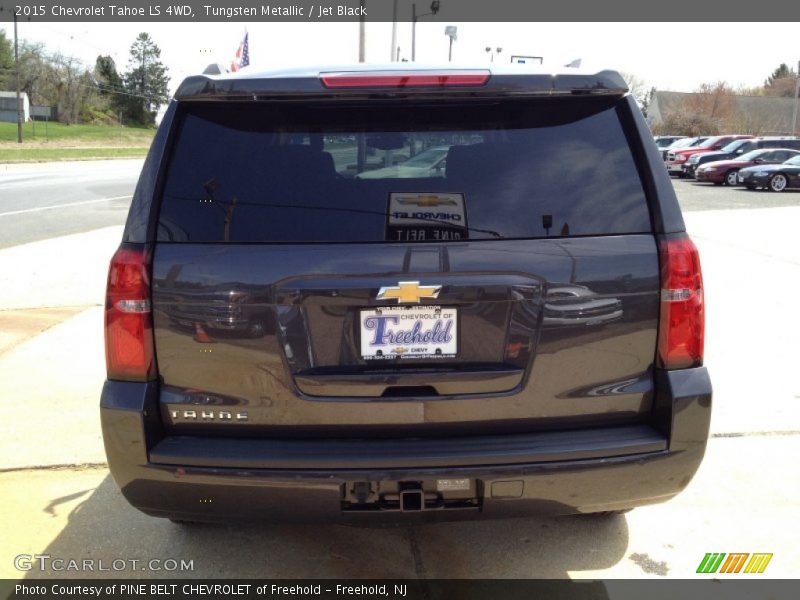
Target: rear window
[420,172]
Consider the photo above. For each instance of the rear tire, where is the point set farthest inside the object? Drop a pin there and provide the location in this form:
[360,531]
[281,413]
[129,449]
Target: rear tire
[777,183]
[732,177]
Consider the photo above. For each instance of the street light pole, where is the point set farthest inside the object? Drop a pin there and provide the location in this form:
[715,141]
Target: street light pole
[394,33]
[361,35]
[451,31]
[796,99]
[16,70]
[361,156]
[491,52]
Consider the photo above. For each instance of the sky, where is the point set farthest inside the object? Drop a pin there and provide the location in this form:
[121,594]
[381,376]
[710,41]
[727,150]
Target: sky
[668,56]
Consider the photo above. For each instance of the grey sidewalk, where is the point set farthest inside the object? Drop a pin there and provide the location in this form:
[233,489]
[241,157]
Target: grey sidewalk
[52,364]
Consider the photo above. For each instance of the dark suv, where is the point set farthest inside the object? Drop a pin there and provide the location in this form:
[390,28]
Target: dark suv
[517,330]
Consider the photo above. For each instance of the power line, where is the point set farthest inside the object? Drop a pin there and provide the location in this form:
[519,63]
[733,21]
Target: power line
[108,90]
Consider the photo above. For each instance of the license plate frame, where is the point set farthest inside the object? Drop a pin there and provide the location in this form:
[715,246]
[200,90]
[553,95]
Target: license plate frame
[402,327]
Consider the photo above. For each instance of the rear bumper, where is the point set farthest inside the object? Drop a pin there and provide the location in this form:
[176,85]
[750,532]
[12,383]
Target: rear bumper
[543,473]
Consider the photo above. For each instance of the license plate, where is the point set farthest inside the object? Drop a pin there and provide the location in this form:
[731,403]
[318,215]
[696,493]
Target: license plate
[409,332]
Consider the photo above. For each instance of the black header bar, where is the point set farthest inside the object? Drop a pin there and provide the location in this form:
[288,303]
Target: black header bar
[448,11]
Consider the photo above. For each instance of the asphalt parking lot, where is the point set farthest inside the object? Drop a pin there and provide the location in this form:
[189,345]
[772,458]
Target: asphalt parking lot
[59,499]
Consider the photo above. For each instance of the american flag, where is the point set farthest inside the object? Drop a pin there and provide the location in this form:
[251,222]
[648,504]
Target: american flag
[242,58]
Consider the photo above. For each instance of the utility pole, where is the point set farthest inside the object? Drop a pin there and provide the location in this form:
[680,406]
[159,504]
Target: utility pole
[413,32]
[394,33]
[414,18]
[796,99]
[16,70]
[144,99]
[361,35]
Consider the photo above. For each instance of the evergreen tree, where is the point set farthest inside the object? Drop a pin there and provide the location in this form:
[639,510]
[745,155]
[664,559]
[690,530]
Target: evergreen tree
[146,81]
[108,80]
[781,82]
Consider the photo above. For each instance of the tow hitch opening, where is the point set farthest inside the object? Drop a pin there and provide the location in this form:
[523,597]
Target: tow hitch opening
[409,496]
[411,500]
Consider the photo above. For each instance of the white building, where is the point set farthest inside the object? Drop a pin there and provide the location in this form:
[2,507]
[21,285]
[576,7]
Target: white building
[8,106]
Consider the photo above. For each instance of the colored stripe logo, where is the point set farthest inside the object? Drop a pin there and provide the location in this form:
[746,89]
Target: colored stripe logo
[736,562]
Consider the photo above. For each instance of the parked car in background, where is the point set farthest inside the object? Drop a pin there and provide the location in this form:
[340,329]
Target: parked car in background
[665,141]
[683,143]
[775,178]
[428,163]
[677,158]
[738,148]
[727,171]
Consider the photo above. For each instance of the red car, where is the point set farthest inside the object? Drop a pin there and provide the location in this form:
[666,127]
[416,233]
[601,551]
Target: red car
[676,159]
[726,171]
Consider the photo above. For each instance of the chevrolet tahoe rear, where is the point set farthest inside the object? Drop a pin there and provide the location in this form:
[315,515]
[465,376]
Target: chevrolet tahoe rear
[517,329]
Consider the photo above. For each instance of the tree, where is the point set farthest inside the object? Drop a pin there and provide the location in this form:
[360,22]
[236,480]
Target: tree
[648,100]
[6,60]
[113,99]
[74,87]
[708,111]
[781,83]
[108,79]
[713,101]
[638,88]
[36,75]
[146,81]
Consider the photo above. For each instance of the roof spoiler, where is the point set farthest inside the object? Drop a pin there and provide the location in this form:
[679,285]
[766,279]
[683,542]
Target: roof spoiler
[210,86]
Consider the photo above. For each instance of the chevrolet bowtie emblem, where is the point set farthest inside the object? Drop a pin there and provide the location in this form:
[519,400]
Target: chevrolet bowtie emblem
[428,201]
[408,291]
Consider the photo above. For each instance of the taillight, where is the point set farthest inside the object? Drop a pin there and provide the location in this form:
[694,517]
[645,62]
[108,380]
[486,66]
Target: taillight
[129,323]
[392,79]
[681,328]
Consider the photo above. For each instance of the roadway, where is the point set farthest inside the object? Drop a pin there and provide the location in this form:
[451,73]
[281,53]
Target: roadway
[43,201]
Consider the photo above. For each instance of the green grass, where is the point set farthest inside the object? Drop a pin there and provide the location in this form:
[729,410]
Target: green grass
[40,154]
[96,135]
